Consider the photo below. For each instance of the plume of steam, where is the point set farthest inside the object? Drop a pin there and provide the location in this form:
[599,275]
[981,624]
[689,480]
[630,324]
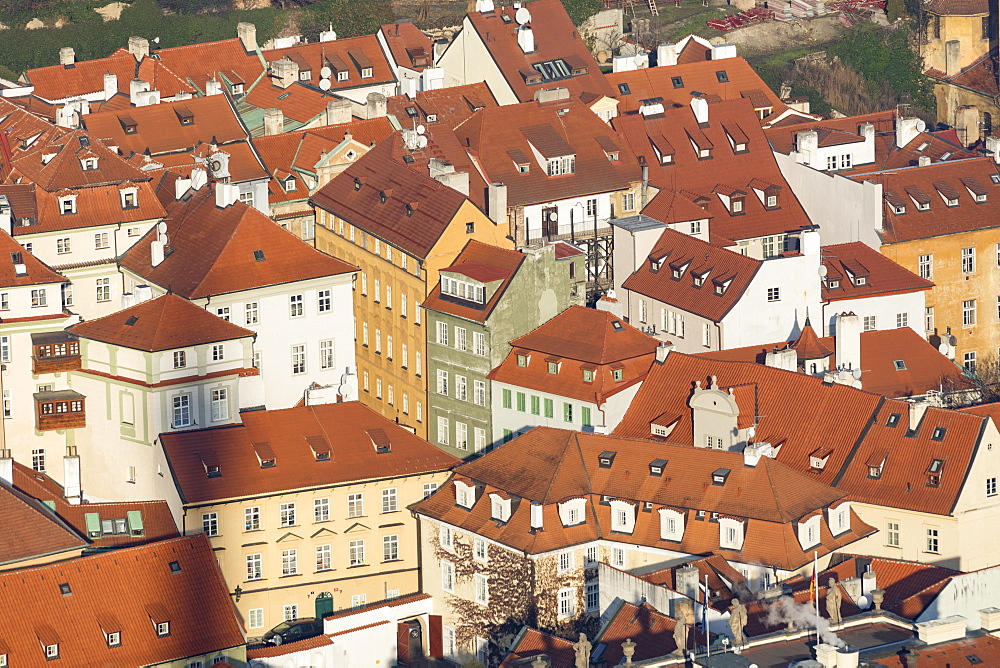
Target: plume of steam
[804,616]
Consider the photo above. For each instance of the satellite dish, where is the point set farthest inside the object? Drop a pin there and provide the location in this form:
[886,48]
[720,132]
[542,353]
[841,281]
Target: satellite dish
[161,227]
[863,602]
[856,373]
[822,271]
[325,72]
[639,61]
[421,141]
[522,16]
[943,348]
[553,216]
[324,84]
[421,129]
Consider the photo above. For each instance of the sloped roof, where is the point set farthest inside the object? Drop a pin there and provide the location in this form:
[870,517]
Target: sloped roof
[95,206]
[32,530]
[532,642]
[808,346]
[299,102]
[501,262]
[406,43]
[433,204]
[343,427]
[719,267]
[126,589]
[351,54]
[167,322]
[881,275]
[36,272]
[449,106]
[213,250]
[957,7]
[64,168]
[226,58]
[555,37]
[652,630]
[587,335]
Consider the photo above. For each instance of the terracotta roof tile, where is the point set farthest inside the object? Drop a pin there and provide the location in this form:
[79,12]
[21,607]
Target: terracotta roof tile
[958,7]
[354,52]
[104,587]
[299,102]
[353,456]
[197,63]
[213,250]
[410,47]
[274,651]
[32,529]
[490,264]
[808,346]
[35,272]
[164,323]
[652,631]
[532,642]
[95,206]
[447,106]
[881,275]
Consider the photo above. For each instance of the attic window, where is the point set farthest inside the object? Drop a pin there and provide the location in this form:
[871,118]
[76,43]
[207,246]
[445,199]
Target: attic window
[995,178]
[720,288]
[938,434]
[936,466]
[382,196]
[678,82]
[131,321]
[522,360]
[380,441]
[305,75]
[411,112]
[588,375]
[606,459]
[923,206]
[617,325]
[833,283]
[719,476]
[900,365]
[893,420]
[623,89]
[699,279]
[175,566]
[945,156]
[265,455]
[860,280]
[656,467]
[237,89]
[737,205]
[65,589]
[722,77]
[290,184]
[618,375]
[88,164]
[258,256]
[553,366]
[357,183]
[899,209]
[922,146]
[875,464]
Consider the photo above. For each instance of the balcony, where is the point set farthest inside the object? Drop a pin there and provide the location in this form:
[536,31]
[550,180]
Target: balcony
[53,352]
[61,409]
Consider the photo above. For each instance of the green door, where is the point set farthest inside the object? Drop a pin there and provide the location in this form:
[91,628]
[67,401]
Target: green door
[324,604]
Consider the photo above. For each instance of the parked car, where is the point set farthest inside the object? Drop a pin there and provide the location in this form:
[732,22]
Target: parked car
[298,629]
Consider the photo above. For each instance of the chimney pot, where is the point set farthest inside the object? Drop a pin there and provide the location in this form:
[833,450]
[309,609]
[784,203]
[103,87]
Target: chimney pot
[67,56]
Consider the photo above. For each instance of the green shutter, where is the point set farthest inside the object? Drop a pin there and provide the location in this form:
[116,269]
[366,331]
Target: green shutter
[506,399]
[585,416]
[135,522]
[549,409]
[536,405]
[93,521]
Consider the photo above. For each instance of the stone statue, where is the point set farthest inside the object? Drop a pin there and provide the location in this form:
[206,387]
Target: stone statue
[833,598]
[680,637]
[582,649]
[737,622]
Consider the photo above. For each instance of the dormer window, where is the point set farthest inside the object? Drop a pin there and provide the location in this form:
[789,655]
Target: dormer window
[699,279]
[305,75]
[553,366]
[588,375]
[88,164]
[618,375]
[808,532]
[737,205]
[833,283]
[129,198]
[67,205]
[860,280]
[656,467]
[899,209]
[290,184]
[572,512]
[499,508]
[237,89]
[366,73]
[876,464]
[463,290]
[671,524]
[465,495]
[522,360]
[343,75]
[622,516]
[772,201]
[562,165]
[114,639]
[730,534]
[163,629]
[52,651]
[938,434]
[818,458]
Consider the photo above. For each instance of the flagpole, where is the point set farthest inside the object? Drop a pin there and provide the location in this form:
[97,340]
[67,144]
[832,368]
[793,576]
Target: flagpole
[704,617]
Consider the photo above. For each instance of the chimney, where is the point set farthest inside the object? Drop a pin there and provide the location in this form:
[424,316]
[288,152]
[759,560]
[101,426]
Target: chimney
[181,186]
[847,657]
[274,122]
[786,359]
[536,515]
[444,172]
[128,300]
[753,452]
[497,203]
[71,475]
[699,106]
[989,619]
[143,293]
[284,72]
[138,47]
[226,194]
[666,54]
[847,341]
[993,148]
[952,57]
[663,348]
[67,56]
[213,87]
[941,630]
[110,86]
[526,39]
[199,177]
[907,129]
[686,581]
[551,94]
[723,51]
[826,655]
[328,35]
[924,160]
[135,88]
[917,410]
[375,105]
[868,583]
[6,467]
[539,662]
[156,253]
[247,32]
[610,304]
[67,117]
[338,112]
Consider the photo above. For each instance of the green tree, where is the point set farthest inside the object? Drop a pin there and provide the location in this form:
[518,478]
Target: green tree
[581,10]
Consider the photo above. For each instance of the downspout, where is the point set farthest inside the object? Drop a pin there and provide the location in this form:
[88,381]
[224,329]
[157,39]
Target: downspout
[718,329]
[644,193]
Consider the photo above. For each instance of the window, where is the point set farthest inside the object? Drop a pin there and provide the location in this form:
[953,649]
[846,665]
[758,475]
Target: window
[901,319]
[4,301]
[706,335]
[324,558]
[549,407]
[286,514]
[585,419]
[321,510]
[7,406]
[223,312]
[355,505]
[295,306]
[932,541]
[446,537]
[298,359]
[479,549]
[251,518]
[447,577]
[480,444]
[289,562]
[565,561]
[479,392]
[256,618]
[210,524]
[593,596]
[247,198]
[218,352]
[419,367]
[442,382]
[389,500]
[251,312]
[461,436]
[567,412]
[969,313]
[617,557]
[38,460]
[104,289]
[929,318]
[969,361]
[968,260]
[255,570]
[359,600]
[617,375]
[356,551]
[442,333]
[63,245]
[567,602]
[925,266]
[773,294]
[182,410]
[869,323]
[390,547]
[628,201]
[460,338]
[38,297]
[563,165]
[429,488]
[443,430]
[482,589]
[521,401]
[290,612]
[101,241]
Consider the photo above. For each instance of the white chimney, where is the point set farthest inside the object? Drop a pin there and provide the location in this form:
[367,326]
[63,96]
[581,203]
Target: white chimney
[136,86]
[847,340]
[651,107]
[328,35]
[941,630]
[375,105]
[181,186]
[663,349]
[128,300]
[67,56]
[213,87]
[699,106]
[536,515]
[666,54]
[138,47]
[72,489]
[143,293]
[924,160]
[497,202]
[247,32]
[917,410]
[199,177]
[6,467]
[226,194]
[869,583]
[826,655]
[274,122]
[338,112]
[156,253]
[993,147]
[110,85]
[847,657]
[723,51]
[989,619]
[526,39]
[67,117]
[907,129]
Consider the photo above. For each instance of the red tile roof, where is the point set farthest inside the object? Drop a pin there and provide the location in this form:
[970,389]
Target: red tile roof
[349,55]
[299,102]
[651,630]
[700,76]
[290,648]
[689,175]
[433,205]
[492,264]
[881,275]
[32,530]
[532,642]
[343,427]
[95,206]
[977,76]
[986,649]
[549,466]
[782,136]
[555,38]
[35,272]
[962,176]
[125,591]
[448,106]
[164,323]
[958,7]
[808,346]
[197,63]
[168,126]
[409,45]
[718,268]
[213,250]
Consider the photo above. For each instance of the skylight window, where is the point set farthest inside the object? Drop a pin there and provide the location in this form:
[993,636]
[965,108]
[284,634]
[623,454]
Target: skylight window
[623,89]
[175,567]
[64,589]
[899,364]
[258,256]
[552,70]
[893,420]
[722,77]
[938,434]
[678,82]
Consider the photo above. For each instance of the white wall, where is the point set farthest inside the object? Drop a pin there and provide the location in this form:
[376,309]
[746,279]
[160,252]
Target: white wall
[885,308]
[466,61]
[966,595]
[516,421]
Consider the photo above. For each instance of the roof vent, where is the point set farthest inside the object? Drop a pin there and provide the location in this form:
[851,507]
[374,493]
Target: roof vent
[320,447]
[265,455]
[719,476]
[211,464]
[380,440]
[656,467]
[606,459]
[175,567]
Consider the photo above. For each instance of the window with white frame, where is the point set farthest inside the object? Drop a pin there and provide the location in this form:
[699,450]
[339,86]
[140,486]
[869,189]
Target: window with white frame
[593,596]
[565,561]
[324,301]
[295,306]
[448,577]
[465,495]
[773,294]
[210,524]
[429,488]
[461,435]
[869,323]
[969,361]
[479,343]
[218,352]
[390,547]
[38,459]
[442,382]
[460,338]
[251,313]
[286,514]
[298,359]
[289,562]
[446,537]
[671,524]
[324,558]
[326,354]
[925,266]
[38,298]
[321,510]
[355,505]
[103,289]
[730,534]
[359,600]
[482,587]
[567,602]
[356,552]
[628,201]
[499,508]
[933,545]
[182,410]
[290,612]
[256,618]
[443,431]
[969,313]
[255,568]
[479,392]
[622,516]
[479,552]
[991,486]
[63,245]
[251,518]
[442,333]
[968,260]
[389,500]
[223,312]
[618,557]
[901,319]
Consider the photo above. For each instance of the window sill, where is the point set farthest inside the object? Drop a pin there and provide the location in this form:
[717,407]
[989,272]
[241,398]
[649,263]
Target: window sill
[358,566]
[290,575]
[257,580]
[391,561]
[324,570]
[287,526]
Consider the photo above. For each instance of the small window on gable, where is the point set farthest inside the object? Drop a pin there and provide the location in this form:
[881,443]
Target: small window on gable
[89,164]
[899,209]
[522,360]
[737,205]
[114,638]
[163,629]
[290,184]
[618,375]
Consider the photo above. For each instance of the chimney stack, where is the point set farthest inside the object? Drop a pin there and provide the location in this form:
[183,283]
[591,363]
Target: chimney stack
[699,106]
[376,105]
[6,467]
[67,56]
[110,85]
[907,129]
[284,72]
[847,340]
[274,122]
[536,515]
[338,112]
[526,39]
[71,476]
[663,349]
[686,581]
[138,47]
[247,32]
[666,54]
[497,203]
